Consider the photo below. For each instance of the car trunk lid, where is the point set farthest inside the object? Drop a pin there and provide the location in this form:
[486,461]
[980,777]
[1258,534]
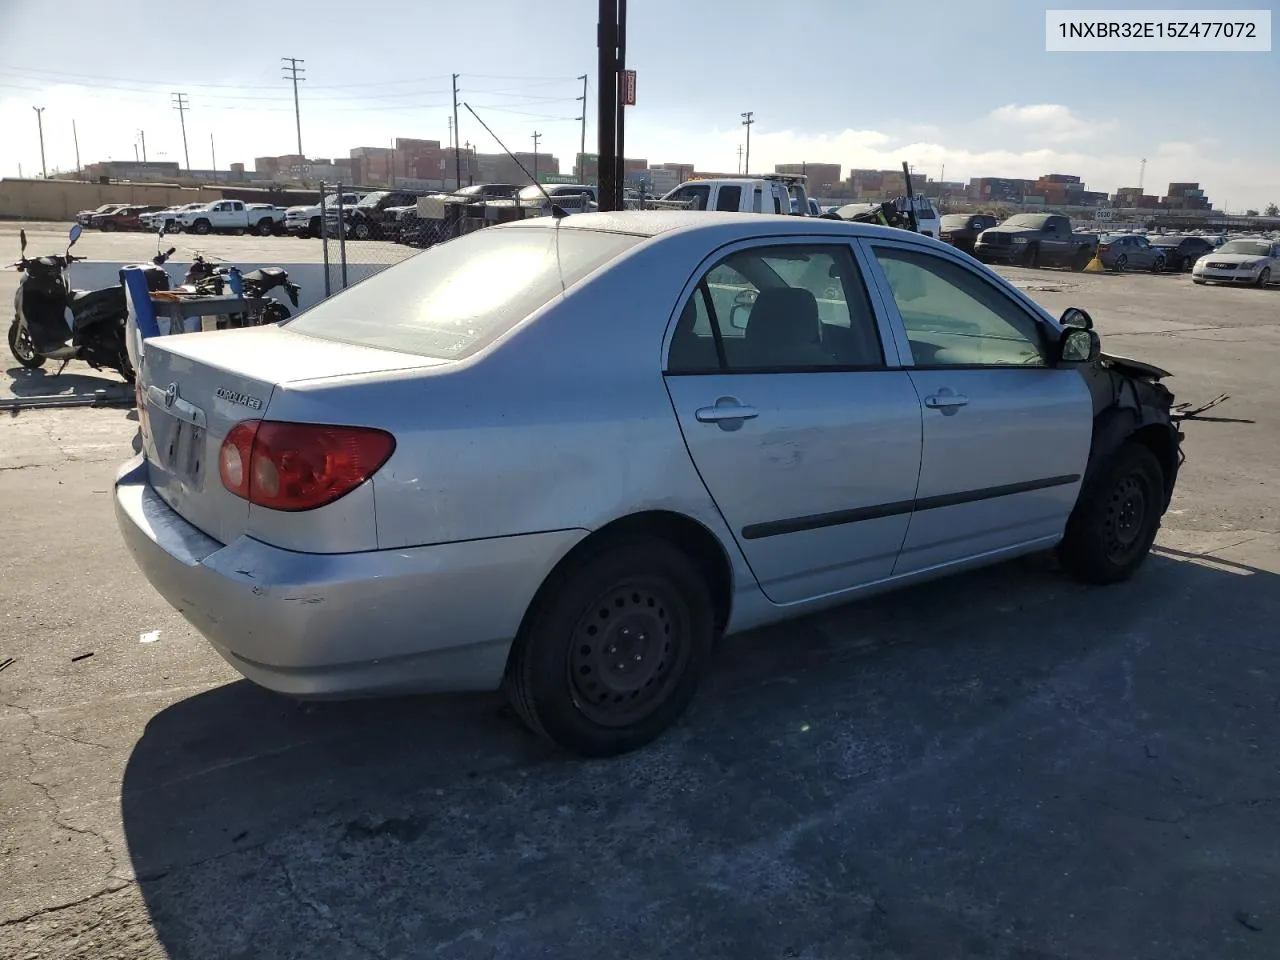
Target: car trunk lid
[193,388]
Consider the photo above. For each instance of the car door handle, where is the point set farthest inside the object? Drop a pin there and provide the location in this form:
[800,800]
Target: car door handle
[944,400]
[726,409]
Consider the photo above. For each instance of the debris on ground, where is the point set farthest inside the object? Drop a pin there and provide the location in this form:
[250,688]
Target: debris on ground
[83,656]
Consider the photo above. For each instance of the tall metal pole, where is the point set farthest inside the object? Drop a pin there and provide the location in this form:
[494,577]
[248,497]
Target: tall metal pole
[747,121]
[180,104]
[582,143]
[40,126]
[607,102]
[536,137]
[75,138]
[739,158]
[620,177]
[142,134]
[213,153]
[291,71]
[457,154]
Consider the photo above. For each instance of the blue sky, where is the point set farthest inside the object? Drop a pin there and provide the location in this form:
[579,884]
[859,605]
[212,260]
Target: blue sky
[968,85]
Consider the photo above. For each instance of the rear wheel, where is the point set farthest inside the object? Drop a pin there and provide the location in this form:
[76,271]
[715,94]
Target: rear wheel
[1115,520]
[614,647]
[274,313]
[1122,262]
[1032,257]
[1264,277]
[1185,264]
[108,226]
[23,350]
[362,230]
[1158,266]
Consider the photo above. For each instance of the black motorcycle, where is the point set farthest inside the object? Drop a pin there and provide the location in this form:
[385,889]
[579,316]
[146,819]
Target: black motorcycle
[53,322]
[204,277]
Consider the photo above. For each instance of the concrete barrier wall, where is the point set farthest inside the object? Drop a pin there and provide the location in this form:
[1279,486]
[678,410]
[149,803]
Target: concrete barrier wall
[63,199]
[94,274]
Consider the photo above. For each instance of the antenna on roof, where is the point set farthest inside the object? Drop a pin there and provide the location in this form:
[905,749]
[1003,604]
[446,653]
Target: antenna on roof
[556,211]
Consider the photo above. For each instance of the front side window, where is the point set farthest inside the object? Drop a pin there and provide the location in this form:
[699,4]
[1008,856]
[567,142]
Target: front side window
[779,308]
[955,318]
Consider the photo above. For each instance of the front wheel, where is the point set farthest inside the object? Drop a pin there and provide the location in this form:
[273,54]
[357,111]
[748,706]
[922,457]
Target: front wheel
[23,350]
[614,647]
[1158,266]
[1114,523]
[362,231]
[108,226]
[1186,264]
[1264,277]
[202,227]
[1121,263]
[316,229]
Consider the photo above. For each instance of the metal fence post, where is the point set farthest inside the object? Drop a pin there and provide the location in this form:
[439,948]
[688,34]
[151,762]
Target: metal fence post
[324,242]
[342,239]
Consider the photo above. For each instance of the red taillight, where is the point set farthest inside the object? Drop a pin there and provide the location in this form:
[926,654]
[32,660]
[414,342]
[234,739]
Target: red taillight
[299,466]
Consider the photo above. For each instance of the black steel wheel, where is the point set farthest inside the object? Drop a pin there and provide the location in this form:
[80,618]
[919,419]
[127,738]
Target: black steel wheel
[613,648]
[1116,517]
[202,227]
[23,350]
[361,230]
[265,228]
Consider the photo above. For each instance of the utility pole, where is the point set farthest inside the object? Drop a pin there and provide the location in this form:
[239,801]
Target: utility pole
[75,138]
[142,135]
[213,153]
[747,121]
[739,158]
[457,135]
[582,143]
[40,126]
[291,71]
[620,171]
[607,103]
[180,104]
[1142,172]
[135,153]
[536,137]
[449,121]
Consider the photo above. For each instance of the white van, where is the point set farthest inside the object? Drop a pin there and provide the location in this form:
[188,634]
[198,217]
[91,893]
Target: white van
[766,194]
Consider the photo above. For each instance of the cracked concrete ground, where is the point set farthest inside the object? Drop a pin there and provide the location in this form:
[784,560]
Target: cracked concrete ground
[1003,765]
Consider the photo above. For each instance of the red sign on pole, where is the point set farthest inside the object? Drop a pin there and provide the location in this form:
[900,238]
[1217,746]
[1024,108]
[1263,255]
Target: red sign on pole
[628,88]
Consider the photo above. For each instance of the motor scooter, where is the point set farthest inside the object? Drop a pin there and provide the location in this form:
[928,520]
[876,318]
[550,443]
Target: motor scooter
[54,322]
[208,278]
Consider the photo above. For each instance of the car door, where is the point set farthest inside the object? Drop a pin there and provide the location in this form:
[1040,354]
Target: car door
[805,433]
[1006,434]
[1144,254]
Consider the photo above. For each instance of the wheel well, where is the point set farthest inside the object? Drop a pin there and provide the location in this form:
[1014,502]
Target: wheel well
[686,534]
[1159,439]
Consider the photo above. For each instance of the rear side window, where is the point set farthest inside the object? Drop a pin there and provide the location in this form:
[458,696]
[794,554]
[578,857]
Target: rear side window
[729,198]
[456,298]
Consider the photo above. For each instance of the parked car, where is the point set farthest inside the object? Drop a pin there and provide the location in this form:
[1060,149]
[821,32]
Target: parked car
[1036,240]
[168,217]
[84,216]
[232,216]
[1130,251]
[533,194]
[740,195]
[961,229]
[123,218]
[640,430]
[367,219]
[1253,261]
[487,191]
[1181,252]
[305,220]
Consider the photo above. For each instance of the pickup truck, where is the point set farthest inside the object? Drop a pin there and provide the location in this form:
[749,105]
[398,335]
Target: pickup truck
[223,215]
[767,194]
[1036,240]
[305,221]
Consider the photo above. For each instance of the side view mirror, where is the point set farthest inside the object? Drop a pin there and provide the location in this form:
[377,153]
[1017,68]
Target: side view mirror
[1079,346]
[73,235]
[22,240]
[1076,318]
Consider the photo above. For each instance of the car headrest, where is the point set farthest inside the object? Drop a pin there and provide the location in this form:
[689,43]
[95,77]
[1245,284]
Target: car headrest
[783,324]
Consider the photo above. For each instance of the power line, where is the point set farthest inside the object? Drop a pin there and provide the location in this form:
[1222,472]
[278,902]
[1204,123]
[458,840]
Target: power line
[292,71]
[180,104]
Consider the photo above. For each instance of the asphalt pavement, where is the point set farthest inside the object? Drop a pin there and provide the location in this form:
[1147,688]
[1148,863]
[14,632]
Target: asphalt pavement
[1001,765]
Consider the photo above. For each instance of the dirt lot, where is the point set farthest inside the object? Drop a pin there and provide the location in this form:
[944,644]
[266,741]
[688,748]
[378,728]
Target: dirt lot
[1003,765]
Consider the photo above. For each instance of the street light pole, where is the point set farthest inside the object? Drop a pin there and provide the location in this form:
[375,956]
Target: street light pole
[75,138]
[536,137]
[40,126]
[747,121]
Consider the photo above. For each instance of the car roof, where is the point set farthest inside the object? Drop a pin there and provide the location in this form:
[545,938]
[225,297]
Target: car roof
[729,226]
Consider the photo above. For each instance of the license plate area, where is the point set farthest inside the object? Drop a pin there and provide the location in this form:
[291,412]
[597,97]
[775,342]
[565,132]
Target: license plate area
[177,430]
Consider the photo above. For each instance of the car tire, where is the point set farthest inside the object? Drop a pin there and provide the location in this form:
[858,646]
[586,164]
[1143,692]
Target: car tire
[1186,264]
[1032,257]
[1081,261]
[316,227]
[361,230]
[1121,263]
[1114,523]
[1158,265]
[23,349]
[264,228]
[1197,280]
[627,598]
[1264,277]
[202,227]
[108,226]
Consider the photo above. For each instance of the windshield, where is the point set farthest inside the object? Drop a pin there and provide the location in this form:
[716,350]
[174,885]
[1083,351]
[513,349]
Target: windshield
[456,298]
[1255,248]
[1031,221]
[373,199]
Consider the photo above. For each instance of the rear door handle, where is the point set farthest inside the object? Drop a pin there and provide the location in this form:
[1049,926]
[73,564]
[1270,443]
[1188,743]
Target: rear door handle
[941,401]
[726,409]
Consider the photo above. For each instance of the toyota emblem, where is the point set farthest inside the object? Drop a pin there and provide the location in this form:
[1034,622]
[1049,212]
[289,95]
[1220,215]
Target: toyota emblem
[170,394]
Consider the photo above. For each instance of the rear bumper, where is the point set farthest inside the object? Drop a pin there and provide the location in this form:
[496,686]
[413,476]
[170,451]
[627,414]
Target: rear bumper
[435,618]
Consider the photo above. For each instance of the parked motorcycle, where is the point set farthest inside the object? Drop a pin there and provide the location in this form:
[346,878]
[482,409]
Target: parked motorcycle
[204,277]
[54,322]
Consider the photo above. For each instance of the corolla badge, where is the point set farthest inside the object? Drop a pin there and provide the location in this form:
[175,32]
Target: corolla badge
[234,396]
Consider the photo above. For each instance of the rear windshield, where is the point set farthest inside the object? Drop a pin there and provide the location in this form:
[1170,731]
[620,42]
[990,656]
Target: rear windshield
[456,298]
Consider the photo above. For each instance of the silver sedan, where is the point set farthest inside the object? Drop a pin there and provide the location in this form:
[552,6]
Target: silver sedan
[564,457]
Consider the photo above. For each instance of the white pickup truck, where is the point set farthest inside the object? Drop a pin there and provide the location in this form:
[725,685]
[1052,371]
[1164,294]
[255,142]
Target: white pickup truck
[221,215]
[773,193]
[305,221]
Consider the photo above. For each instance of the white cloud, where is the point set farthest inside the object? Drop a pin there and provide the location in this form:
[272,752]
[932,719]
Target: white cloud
[1048,122]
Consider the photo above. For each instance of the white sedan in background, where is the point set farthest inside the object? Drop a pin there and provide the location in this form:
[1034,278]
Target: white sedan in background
[1253,261]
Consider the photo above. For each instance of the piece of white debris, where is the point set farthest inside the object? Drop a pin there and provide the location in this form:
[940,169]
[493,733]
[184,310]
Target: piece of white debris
[151,636]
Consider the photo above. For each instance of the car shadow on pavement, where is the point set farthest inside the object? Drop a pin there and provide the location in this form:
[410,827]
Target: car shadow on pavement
[44,383]
[1001,764]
